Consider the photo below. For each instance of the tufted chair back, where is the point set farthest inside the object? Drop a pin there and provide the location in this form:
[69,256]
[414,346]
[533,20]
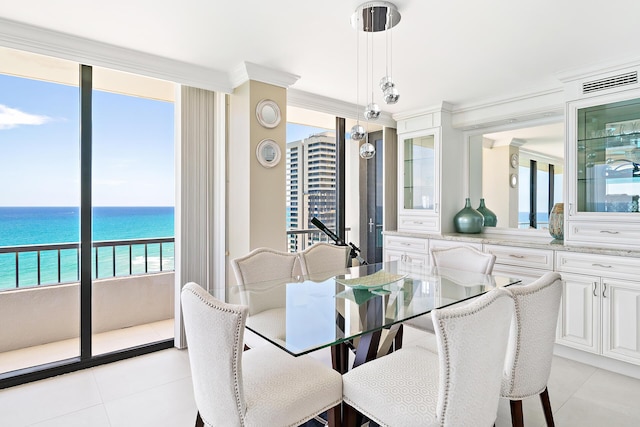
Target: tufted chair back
[214,332]
[463,258]
[533,332]
[323,257]
[472,342]
[263,264]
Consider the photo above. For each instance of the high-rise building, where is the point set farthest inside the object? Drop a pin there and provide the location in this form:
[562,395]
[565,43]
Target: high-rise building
[311,185]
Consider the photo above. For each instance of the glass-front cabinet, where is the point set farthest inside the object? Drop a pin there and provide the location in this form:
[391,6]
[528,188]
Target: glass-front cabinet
[419,188]
[604,142]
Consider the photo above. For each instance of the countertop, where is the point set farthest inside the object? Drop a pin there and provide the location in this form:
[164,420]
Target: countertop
[520,240]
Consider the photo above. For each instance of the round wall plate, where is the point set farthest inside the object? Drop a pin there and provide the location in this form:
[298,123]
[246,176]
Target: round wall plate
[514,160]
[513,180]
[268,153]
[268,113]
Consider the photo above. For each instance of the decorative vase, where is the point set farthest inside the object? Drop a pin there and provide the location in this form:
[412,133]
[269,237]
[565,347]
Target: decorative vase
[556,221]
[490,219]
[468,220]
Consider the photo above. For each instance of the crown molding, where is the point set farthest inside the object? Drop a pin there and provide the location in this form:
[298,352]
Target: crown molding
[298,98]
[39,40]
[444,106]
[249,71]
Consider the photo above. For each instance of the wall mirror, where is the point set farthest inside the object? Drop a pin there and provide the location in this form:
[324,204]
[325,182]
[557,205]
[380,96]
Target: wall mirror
[268,113]
[268,153]
[497,156]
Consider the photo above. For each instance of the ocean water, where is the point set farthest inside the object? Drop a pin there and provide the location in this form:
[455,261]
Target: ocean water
[21,226]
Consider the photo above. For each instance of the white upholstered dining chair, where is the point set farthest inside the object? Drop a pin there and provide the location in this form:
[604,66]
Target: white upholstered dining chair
[261,387]
[530,351]
[463,258]
[457,387]
[251,272]
[324,257]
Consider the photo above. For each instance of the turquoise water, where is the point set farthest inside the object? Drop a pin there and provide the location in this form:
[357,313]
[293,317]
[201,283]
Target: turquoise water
[21,226]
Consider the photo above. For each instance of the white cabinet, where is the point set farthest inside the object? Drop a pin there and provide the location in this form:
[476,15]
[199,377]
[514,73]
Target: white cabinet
[527,264]
[430,178]
[600,311]
[603,170]
[409,250]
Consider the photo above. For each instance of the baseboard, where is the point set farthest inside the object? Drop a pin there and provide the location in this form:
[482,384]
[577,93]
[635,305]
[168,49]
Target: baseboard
[598,361]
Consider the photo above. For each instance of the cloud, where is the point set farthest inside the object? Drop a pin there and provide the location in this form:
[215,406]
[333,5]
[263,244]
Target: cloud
[12,117]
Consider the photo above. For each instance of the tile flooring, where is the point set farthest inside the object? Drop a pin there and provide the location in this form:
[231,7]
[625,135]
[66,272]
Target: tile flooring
[155,390]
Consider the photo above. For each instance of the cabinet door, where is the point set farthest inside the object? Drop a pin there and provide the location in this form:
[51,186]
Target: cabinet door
[579,324]
[413,259]
[621,320]
[418,183]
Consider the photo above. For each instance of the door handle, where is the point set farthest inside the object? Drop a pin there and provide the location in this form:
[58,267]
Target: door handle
[371,224]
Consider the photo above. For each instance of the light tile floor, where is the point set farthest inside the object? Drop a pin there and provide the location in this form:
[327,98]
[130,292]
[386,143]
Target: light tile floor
[155,390]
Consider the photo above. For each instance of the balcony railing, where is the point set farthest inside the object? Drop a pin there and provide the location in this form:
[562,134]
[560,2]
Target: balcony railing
[299,240]
[35,265]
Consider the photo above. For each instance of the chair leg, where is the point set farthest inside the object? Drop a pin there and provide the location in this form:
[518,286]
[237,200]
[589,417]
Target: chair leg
[199,422]
[546,406]
[517,419]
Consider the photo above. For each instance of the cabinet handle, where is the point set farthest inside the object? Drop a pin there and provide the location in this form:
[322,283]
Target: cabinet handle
[601,265]
[516,256]
[609,232]
[570,208]
[436,208]
[595,285]
[417,222]
[604,290]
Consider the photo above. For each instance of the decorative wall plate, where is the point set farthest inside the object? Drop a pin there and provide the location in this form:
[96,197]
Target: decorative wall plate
[268,153]
[268,113]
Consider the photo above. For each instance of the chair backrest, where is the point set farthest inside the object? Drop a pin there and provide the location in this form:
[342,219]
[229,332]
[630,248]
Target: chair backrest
[530,351]
[263,264]
[214,333]
[463,258]
[472,342]
[323,257]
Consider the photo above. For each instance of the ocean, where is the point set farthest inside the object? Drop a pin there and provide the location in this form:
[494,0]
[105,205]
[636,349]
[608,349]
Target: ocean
[21,226]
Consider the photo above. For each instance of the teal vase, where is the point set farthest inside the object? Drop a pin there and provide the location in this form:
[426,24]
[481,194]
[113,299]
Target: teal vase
[490,219]
[468,220]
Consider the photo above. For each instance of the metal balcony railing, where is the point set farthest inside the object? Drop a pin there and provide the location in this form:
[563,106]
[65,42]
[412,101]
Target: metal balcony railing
[299,240]
[35,265]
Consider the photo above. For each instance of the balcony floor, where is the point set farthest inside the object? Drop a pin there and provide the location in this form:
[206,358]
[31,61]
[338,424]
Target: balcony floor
[102,343]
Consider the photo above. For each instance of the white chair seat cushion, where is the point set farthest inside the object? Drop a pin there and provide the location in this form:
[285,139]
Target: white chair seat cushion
[272,322]
[275,380]
[391,390]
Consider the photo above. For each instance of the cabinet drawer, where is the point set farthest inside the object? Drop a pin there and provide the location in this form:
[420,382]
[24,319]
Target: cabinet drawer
[598,265]
[412,244]
[441,244]
[418,223]
[523,257]
[604,233]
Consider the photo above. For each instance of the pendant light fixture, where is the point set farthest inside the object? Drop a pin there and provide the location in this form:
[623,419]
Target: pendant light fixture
[372,17]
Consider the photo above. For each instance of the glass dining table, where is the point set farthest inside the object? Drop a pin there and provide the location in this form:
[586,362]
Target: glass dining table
[358,309]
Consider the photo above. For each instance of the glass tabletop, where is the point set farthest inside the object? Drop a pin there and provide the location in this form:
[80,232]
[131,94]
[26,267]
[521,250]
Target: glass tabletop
[303,314]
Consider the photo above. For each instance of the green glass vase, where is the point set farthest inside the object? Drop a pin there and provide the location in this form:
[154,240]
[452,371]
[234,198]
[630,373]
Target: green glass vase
[490,218]
[468,220]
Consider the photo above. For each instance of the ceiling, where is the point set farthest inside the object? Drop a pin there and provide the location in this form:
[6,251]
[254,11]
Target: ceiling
[463,52]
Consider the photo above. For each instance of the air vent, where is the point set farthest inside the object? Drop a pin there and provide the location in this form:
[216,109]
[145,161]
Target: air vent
[610,82]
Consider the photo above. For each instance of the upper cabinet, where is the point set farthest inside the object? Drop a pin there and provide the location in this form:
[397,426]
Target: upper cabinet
[604,174]
[429,178]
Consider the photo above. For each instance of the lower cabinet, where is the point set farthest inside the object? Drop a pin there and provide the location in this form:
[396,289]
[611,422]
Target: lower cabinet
[410,250]
[600,314]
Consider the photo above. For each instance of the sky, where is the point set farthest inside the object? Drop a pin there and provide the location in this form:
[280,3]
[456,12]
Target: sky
[133,147]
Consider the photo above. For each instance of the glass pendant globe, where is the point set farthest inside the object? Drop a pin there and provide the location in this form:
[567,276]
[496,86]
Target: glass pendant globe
[372,112]
[357,133]
[367,150]
[386,82]
[391,95]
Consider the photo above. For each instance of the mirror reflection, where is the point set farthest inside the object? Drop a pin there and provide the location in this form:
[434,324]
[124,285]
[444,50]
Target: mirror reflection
[535,157]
